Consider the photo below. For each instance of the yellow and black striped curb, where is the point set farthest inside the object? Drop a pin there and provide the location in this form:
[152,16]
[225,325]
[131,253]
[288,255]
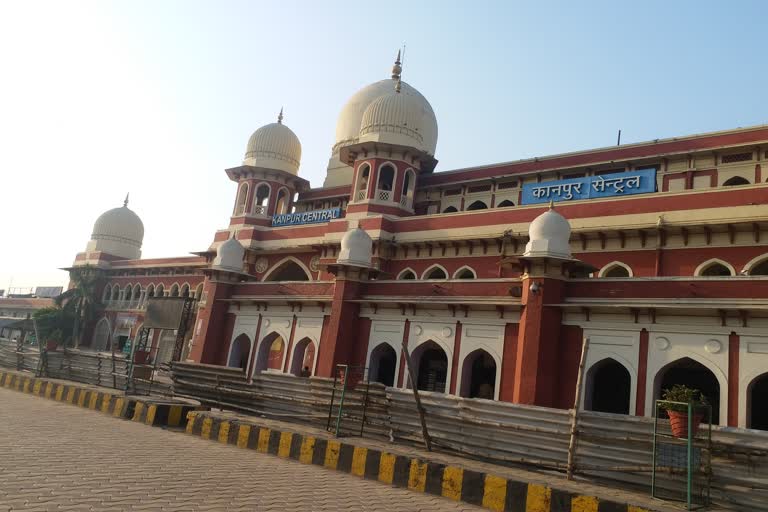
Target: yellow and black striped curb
[489,491]
[116,405]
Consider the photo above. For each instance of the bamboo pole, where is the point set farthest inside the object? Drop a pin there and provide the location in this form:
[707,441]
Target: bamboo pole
[575,413]
[419,408]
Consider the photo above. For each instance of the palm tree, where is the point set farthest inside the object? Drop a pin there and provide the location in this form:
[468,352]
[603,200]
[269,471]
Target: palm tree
[80,299]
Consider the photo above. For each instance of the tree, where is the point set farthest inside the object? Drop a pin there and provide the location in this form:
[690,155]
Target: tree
[53,324]
[80,300]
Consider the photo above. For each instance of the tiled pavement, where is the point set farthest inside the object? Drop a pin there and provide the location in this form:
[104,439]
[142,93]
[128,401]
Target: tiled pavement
[56,457]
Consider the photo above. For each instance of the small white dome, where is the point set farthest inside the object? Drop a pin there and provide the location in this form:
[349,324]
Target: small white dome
[395,118]
[550,235]
[229,256]
[119,232]
[274,146]
[356,248]
[350,119]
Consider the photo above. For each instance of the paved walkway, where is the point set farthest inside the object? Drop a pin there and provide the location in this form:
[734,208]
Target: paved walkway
[56,457]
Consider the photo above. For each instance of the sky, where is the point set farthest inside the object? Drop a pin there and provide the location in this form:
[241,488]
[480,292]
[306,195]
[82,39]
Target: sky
[157,98]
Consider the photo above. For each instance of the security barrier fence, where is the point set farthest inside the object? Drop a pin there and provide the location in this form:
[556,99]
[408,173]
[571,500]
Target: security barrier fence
[610,448]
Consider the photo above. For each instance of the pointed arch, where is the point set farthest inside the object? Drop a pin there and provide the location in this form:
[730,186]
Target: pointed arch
[270,353]
[409,185]
[757,396]
[239,352]
[465,272]
[116,292]
[436,271]
[184,291]
[304,356]
[150,291]
[199,291]
[431,369]
[505,204]
[261,198]
[616,269]
[288,269]
[241,205]
[407,274]
[450,209]
[100,338]
[383,364]
[128,293]
[608,387]
[174,290]
[757,266]
[477,205]
[715,267]
[478,375]
[361,187]
[282,201]
[719,401]
[106,295]
[385,181]
[735,181]
[160,290]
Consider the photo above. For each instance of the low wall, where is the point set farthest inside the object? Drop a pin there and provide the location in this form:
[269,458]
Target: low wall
[615,448]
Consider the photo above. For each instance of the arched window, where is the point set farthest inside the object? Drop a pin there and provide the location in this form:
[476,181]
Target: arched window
[409,182]
[758,266]
[382,364]
[281,206]
[160,290]
[363,173]
[757,398]
[608,387]
[450,209]
[386,182]
[615,269]
[477,205]
[150,291]
[270,354]
[239,352]
[431,365]
[713,268]
[505,203]
[464,273]
[184,292]
[693,374]
[478,375]
[407,274]
[136,301]
[260,199]
[174,290]
[242,198]
[303,360]
[288,270]
[199,291]
[107,293]
[736,180]
[435,272]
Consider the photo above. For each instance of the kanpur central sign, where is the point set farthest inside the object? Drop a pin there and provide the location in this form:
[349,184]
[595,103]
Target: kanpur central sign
[640,181]
[311,217]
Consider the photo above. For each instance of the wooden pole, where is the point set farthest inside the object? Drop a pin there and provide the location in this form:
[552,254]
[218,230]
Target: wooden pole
[575,413]
[419,408]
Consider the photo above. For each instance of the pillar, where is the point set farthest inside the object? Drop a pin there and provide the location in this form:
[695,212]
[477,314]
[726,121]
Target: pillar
[209,337]
[733,380]
[338,342]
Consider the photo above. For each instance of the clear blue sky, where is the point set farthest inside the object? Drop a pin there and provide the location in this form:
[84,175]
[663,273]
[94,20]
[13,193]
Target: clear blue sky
[157,98]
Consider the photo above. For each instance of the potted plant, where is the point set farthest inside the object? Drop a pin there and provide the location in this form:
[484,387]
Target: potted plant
[677,399]
[54,338]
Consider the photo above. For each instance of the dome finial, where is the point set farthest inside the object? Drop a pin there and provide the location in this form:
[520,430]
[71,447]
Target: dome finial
[125,203]
[397,69]
[280,116]
[398,85]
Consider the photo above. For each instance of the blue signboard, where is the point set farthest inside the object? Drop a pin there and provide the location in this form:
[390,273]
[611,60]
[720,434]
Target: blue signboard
[640,181]
[311,217]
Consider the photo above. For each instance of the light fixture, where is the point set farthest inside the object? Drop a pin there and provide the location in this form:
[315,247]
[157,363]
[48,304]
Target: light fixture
[535,287]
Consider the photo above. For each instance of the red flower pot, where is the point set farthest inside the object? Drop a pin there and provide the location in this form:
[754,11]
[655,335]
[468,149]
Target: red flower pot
[678,421]
[51,345]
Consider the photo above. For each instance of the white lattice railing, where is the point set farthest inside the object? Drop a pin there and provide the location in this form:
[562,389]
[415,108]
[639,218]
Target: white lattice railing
[385,195]
[360,195]
[405,202]
[259,209]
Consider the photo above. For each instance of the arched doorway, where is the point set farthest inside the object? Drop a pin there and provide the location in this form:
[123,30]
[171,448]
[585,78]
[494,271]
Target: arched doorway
[608,387]
[288,270]
[382,364]
[303,361]
[693,374]
[239,352]
[478,375]
[270,355]
[757,403]
[431,365]
[100,339]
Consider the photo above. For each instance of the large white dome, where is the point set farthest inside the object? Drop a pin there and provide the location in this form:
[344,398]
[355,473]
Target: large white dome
[274,146]
[395,118]
[351,117]
[550,235]
[119,232]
